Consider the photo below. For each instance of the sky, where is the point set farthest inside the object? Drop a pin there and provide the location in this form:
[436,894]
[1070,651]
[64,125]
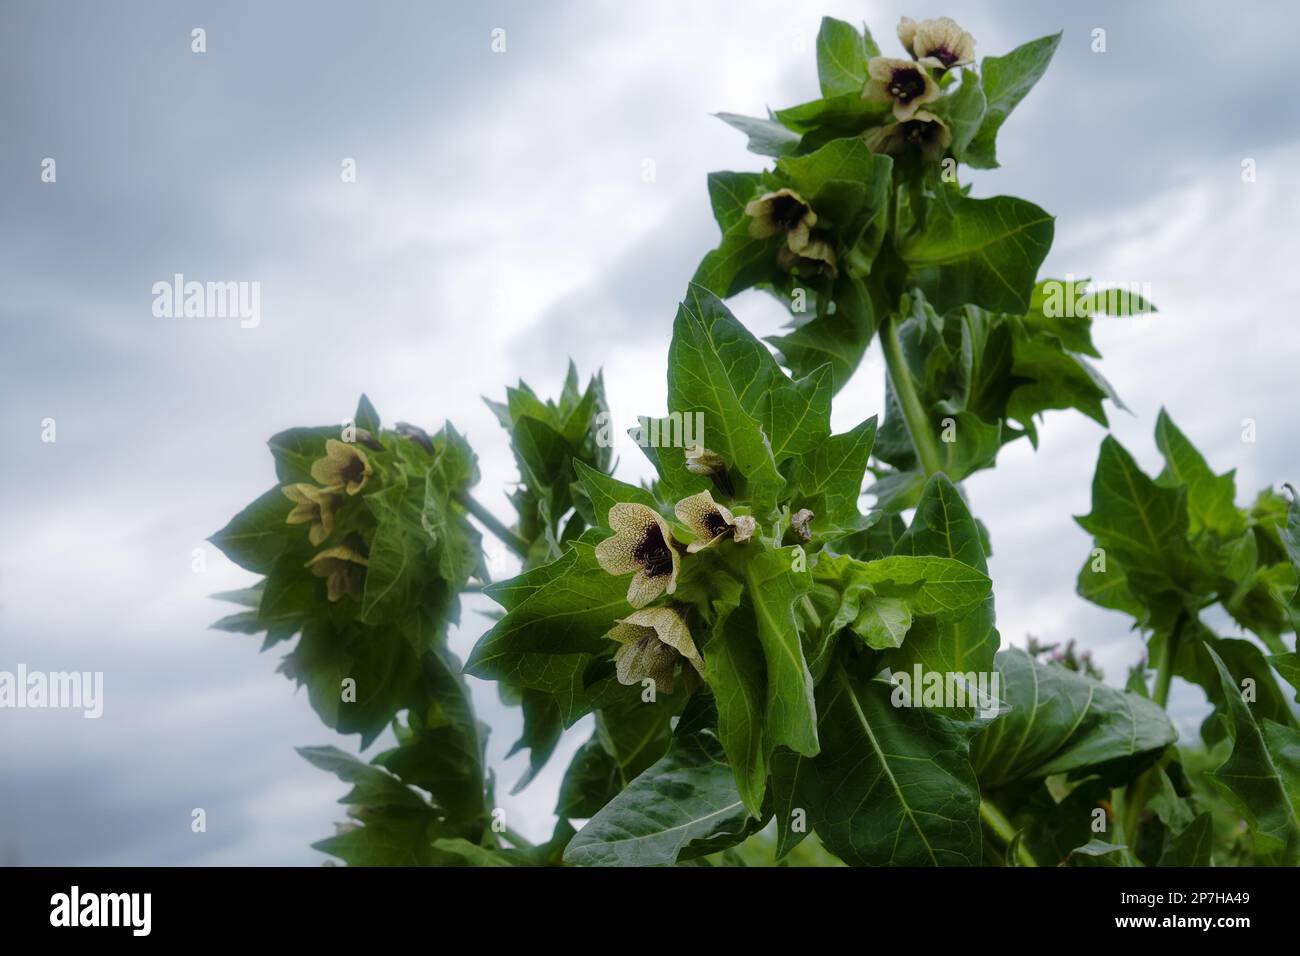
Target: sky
[500,223]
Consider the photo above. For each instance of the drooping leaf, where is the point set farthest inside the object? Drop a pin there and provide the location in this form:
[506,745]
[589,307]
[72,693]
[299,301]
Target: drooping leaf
[1063,722]
[892,786]
[684,805]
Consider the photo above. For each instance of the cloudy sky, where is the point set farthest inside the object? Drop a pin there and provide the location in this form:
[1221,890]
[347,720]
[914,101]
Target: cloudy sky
[500,223]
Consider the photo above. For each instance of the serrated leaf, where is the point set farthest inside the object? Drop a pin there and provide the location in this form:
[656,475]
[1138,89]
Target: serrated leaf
[1006,81]
[828,478]
[984,252]
[1261,777]
[255,537]
[1209,496]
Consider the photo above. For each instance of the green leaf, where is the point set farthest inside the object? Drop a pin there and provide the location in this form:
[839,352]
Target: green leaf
[963,111]
[729,194]
[841,58]
[848,160]
[1098,853]
[715,366]
[892,786]
[790,715]
[1139,523]
[1288,665]
[444,754]
[684,805]
[1062,722]
[767,137]
[798,418]
[296,449]
[884,622]
[557,618]
[543,726]
[591,781]
[984,252]
[1261,777]
[828,478]
[1209,496]
[604,491]
[1191,846]
[737,674]
[1006,81]
[464,853]
[391,836]
[397,548]
[371,786]
[931,586]
[943,527]
[256,536]
[366,417]
[840,337]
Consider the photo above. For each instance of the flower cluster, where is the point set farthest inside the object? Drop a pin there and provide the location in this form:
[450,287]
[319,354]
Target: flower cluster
[344,470]
[936,46]
[652,640]
[902,87]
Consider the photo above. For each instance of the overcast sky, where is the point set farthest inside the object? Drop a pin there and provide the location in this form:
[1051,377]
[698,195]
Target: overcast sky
[501,223]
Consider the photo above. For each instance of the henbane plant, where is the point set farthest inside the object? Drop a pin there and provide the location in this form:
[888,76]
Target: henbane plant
[762,660]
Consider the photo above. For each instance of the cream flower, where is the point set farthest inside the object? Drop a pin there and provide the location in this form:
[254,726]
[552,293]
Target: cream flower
[907,85]
[652,642]
[344,467]
[311,504]
[702,461]
[343,570]
[924,133]
[642,542]
[940,43]
[801,521]
[815,259]
[782,211]
[709,521]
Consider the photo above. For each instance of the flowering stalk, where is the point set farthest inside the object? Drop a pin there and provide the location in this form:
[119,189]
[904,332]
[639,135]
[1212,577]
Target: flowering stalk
[918,426]
[507,537]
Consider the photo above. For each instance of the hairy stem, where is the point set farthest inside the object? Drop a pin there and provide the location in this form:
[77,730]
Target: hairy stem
[1001,827]
[488,520]
[918,424]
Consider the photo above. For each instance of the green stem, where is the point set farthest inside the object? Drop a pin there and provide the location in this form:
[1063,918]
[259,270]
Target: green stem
[1165,673]
[814,618]
[1001,827]
[918,423]
[516,840]
[488,520]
